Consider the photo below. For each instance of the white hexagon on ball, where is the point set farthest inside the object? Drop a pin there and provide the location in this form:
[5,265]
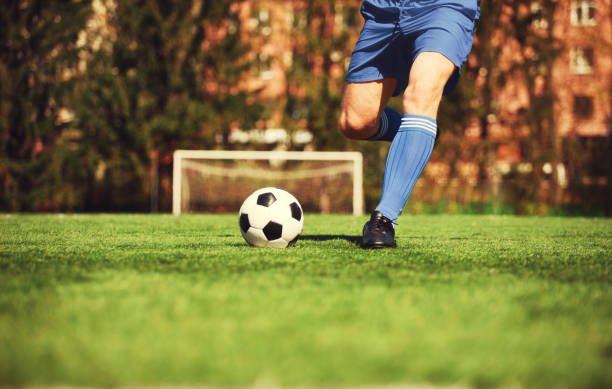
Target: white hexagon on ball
[271,217]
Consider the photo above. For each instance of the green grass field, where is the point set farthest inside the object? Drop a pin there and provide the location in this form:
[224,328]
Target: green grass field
[480,301]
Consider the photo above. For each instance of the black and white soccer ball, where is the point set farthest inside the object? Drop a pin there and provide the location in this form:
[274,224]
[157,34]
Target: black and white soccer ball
[271,217]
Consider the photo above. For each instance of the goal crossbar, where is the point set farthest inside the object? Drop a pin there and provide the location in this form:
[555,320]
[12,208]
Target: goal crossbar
[350,156]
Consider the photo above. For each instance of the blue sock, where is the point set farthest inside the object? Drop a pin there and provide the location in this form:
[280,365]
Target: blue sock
[390,121]
[408,155]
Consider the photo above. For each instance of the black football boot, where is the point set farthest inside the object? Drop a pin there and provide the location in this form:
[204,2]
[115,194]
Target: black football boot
[378,232]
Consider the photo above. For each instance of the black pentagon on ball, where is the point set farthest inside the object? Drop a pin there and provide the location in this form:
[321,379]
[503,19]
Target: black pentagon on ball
[273,231]
[296,211]
[266,199]
[244,222]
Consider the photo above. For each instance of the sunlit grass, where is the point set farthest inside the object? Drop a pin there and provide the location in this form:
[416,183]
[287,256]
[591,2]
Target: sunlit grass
[484,301]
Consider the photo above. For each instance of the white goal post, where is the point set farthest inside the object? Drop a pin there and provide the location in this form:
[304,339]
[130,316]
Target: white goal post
[181,157]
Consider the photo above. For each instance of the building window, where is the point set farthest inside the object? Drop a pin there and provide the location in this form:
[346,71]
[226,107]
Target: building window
[539,21]
[583,13]
[583,107]
[581,60]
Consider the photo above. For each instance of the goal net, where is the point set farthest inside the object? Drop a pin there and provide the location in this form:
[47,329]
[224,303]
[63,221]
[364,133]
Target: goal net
[219,181]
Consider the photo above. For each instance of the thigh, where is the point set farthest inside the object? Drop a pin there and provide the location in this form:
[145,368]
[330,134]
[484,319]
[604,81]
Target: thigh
[376,57]
[431,70]
[366,100]
[448,32]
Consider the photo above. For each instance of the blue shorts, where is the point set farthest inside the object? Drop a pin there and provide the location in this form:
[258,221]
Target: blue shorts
[396,31]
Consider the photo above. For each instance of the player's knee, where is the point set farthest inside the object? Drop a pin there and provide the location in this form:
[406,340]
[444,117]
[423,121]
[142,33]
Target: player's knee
[422,95]
[355,126]
[426,89]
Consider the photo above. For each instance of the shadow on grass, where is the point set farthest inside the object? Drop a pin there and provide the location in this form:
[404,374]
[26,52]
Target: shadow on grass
[355,239]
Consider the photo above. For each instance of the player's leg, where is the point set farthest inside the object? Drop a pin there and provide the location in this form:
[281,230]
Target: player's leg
[372,79]
[412,145]
[438,41]
[428,76]
[362,113]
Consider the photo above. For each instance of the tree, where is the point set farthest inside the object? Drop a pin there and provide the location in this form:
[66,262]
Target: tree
[151,94]
[38,54]
[539,49]
[322,32]
[524,29]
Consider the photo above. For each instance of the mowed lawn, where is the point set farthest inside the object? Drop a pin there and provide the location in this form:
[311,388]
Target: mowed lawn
[476,301]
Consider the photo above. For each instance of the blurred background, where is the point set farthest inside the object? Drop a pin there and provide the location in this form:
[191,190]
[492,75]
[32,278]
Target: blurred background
[95,95]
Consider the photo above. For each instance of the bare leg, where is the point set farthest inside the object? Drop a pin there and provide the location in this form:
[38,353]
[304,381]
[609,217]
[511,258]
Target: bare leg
[362,105]
[428,75]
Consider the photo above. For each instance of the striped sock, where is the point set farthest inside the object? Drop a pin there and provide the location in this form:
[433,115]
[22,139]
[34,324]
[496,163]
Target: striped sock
[390,121]
[408,155]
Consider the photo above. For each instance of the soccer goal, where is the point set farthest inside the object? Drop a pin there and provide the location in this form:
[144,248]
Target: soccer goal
[218,180]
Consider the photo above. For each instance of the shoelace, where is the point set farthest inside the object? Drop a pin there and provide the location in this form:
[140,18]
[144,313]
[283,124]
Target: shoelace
[381,224]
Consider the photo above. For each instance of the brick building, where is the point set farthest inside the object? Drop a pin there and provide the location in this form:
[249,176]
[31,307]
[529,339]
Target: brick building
[275,28]
[582,74]
[579,81]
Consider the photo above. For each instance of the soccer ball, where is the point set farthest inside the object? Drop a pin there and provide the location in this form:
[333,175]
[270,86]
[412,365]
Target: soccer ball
[271,217]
